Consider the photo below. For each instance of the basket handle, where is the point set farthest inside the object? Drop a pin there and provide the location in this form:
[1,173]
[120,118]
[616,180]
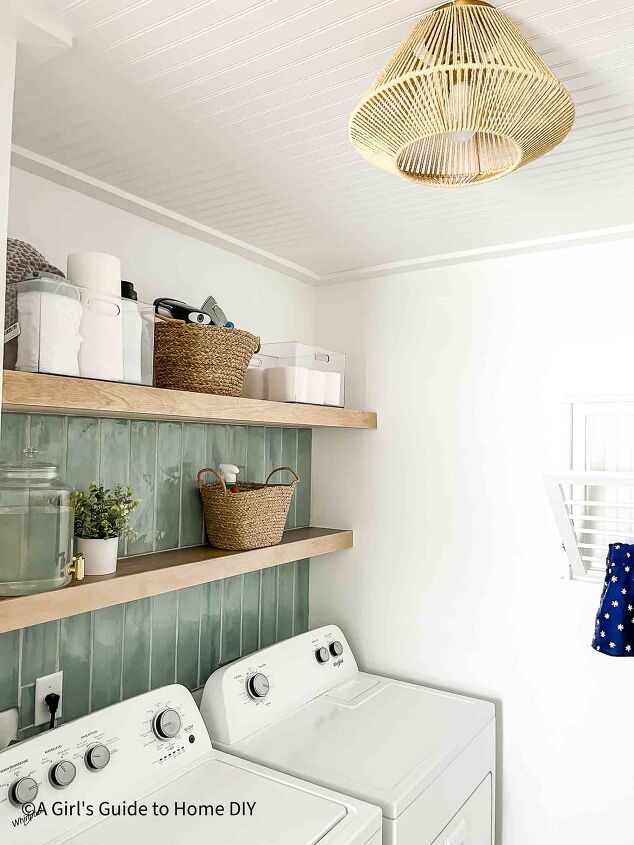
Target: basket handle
[282,469]
[218,475]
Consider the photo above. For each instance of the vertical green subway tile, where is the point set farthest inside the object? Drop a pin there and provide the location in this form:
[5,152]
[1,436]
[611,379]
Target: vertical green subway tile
[107,655]
[137,634]
[27,733]
[216,445]
[231,613]
[285,600]
[256,453]
[273,450]
[237,441]
[210,615]
[27,706]
[289,459]
[13,436]
[268,607]
[177,636]
[82,458]
[9,666]
[168,485]
[302,575]
[142,480]
[194,459]
[48,438]
[115,453]
[189,607]
[75,660]
[251,612]
[114,465]
[302,493]
[164,618]
[39,651]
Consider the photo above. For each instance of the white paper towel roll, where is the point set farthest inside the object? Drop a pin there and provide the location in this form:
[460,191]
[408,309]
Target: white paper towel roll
[95,270]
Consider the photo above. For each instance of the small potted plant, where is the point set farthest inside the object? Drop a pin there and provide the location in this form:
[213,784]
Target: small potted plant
[101,517]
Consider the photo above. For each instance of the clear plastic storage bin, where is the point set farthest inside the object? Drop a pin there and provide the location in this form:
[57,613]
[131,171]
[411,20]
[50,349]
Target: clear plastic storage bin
[295,372]
[69,330]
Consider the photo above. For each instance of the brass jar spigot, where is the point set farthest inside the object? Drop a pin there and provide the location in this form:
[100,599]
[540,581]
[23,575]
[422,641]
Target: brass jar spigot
[77,567]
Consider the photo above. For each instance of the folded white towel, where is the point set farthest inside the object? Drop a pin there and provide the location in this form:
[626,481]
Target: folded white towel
[50,336]
[101,353]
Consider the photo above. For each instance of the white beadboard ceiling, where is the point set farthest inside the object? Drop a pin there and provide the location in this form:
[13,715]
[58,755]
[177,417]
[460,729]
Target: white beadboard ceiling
[234,114]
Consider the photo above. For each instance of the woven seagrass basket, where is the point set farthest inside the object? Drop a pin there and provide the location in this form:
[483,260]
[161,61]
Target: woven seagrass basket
[203,359]
[252,518]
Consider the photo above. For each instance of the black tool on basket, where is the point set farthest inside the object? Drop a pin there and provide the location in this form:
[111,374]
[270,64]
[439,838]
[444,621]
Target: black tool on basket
[181,311]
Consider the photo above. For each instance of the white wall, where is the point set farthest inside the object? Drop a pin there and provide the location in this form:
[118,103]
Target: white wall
[7,79]
[455,575]
[160,261]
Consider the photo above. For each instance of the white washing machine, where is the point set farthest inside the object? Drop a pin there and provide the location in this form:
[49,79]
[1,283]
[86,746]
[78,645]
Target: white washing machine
[427,758]
[153,752]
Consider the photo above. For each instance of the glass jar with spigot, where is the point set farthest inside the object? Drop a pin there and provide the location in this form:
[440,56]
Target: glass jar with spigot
[36,528]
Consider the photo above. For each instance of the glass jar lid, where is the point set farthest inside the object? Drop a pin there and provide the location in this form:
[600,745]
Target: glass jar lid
[29,469]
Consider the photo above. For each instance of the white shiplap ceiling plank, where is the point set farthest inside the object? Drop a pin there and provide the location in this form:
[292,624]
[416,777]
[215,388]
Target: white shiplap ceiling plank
[236,115]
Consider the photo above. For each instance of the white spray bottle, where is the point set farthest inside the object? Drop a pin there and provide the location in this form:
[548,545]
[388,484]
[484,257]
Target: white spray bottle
[230,475]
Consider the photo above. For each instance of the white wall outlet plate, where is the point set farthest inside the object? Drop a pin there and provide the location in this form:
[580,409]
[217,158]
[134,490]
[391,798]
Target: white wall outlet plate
[8,727]
[44,685]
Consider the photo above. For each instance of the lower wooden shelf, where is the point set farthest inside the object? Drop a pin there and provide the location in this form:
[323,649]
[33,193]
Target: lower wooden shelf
[164,572]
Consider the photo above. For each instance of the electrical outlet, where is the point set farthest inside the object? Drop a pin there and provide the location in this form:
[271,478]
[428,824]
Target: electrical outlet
[49,683]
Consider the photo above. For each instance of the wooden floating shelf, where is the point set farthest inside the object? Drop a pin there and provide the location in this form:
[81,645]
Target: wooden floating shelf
[36,393]
[163,572]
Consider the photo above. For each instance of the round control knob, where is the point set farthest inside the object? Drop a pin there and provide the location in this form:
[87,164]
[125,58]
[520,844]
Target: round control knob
[97,757]
[23,791]
[336,649]
[167,724]
[62,774]
[321,655]
[258,685]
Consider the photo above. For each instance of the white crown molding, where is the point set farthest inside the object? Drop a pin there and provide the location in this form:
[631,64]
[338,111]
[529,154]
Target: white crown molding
[482,254]
[66,176]
[32,24]
[47,168]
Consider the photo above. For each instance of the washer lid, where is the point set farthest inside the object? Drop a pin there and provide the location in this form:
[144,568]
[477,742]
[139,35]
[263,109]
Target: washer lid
[284,814]
[385,744]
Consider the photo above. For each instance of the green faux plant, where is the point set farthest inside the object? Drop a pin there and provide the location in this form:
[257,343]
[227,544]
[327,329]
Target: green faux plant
[101,514]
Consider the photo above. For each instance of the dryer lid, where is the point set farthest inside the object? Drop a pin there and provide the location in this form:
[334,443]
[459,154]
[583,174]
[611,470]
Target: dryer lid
[383,745]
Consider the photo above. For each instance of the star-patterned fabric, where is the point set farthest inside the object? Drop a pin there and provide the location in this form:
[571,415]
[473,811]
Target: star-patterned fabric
[614,628]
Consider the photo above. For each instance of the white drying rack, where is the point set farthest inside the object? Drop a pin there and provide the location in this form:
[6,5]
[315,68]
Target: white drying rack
[592,510]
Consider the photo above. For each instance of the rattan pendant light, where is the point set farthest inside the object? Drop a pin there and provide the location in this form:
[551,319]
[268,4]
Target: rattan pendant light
[464,100]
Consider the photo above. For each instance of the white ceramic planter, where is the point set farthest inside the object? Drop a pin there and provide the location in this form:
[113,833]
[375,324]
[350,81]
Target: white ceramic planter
[100,556]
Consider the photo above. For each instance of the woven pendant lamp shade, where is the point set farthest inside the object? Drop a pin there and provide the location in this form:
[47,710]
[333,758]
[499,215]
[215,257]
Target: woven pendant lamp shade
[464,100]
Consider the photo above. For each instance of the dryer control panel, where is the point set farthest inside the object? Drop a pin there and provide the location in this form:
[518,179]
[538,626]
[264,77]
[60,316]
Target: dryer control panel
[256,691]
[66,779]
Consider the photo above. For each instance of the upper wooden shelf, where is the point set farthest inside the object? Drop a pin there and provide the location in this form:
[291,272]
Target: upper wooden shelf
[43,394]
[164,572]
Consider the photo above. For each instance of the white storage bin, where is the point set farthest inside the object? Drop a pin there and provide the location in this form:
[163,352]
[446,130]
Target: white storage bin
[296,372]
[65,329]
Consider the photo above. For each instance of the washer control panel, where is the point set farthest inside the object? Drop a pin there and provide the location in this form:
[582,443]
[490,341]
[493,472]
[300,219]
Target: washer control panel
[255,691]
[49,782]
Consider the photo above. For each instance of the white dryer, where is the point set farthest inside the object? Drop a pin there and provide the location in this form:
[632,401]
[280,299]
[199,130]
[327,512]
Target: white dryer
[144,771]
[427,758]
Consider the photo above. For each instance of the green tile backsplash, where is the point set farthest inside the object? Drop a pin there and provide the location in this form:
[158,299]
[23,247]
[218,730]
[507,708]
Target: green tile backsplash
[182,637]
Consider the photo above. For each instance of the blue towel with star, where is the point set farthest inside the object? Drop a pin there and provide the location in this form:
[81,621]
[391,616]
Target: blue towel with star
[614,628]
